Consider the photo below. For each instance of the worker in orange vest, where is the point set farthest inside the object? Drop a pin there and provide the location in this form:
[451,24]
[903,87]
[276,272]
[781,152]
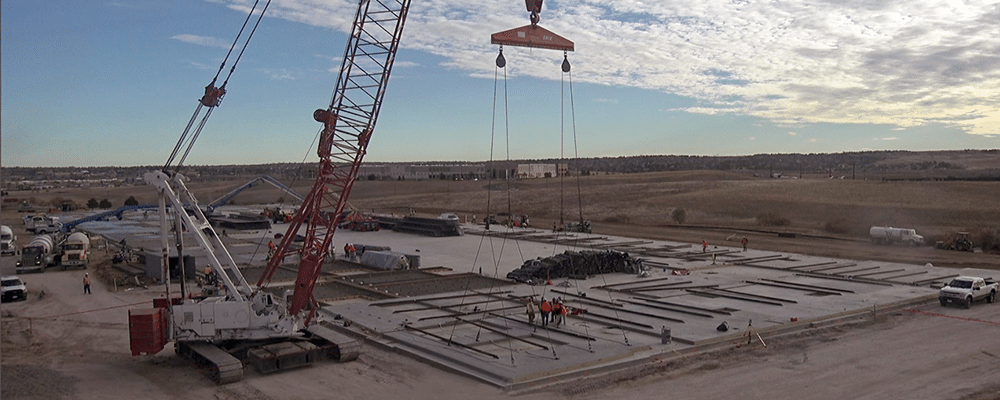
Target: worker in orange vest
[86,283]
[744,241]
[349,251]
[545,308]
[557,312]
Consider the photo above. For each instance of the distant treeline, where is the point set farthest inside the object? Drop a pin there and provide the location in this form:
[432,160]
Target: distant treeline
[871,164]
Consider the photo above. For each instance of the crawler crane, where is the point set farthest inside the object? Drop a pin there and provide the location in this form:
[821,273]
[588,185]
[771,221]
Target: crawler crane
[248,324]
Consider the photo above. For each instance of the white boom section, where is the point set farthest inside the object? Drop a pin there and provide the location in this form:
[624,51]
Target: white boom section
[242,313]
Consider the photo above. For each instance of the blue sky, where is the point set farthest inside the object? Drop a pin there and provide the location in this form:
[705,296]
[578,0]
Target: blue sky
[95,83]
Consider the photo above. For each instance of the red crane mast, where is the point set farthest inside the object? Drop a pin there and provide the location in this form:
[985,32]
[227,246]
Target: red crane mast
[348,123]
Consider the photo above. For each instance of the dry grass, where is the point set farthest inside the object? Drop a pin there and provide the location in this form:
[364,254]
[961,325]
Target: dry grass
[708,198]
[715,199]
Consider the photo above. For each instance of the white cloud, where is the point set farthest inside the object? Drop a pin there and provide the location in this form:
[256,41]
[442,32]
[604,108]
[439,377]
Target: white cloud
[279,74]
[751,138]
[712,111]
[903,63]
[792,133]
[813,140]
[202,40]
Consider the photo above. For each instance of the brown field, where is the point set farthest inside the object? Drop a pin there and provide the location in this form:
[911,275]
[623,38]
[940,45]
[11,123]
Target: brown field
[717,205]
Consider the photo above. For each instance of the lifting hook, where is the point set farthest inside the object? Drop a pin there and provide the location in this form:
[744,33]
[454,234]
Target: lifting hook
[535,8]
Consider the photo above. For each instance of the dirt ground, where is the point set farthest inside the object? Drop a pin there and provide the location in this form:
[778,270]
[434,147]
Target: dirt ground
[68,345]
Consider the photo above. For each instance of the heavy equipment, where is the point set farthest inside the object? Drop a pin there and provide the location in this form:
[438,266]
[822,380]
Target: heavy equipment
[250,324]
[7,240]
[75,250]
[959,242]
[38,254]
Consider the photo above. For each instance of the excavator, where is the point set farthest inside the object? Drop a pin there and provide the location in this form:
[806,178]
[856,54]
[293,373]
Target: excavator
[245,324]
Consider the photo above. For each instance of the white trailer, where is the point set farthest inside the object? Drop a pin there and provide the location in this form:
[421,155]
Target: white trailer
[890,235]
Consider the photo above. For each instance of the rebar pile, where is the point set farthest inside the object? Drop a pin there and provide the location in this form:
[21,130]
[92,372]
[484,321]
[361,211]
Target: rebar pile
[576,265]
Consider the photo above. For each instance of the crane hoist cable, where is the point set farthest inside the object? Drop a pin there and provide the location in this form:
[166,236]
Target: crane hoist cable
[489,194]
[532,36]
[213,95]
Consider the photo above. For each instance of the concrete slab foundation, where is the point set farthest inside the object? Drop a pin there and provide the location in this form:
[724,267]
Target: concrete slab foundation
[460,314]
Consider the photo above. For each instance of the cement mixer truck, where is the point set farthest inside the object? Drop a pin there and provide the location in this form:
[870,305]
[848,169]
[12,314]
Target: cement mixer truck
[37,255]
[7,240]
[75,251]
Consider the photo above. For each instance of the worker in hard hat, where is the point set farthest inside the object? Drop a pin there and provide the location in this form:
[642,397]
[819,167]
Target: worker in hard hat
[86,283]
[545,308]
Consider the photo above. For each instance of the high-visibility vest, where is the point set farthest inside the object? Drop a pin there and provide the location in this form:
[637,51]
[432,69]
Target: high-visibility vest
[546,307]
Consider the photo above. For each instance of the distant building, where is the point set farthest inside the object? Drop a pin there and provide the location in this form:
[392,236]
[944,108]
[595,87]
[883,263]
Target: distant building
[530,171]
[421,171]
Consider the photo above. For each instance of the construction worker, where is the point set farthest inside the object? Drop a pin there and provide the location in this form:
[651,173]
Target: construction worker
[86,283]
[545,308]
[210,278]
[704,246]
[530,310]
[349,251]
[557,312]
[271,249]
[744,241]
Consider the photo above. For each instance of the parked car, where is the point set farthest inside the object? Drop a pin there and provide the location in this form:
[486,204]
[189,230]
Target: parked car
[13,289]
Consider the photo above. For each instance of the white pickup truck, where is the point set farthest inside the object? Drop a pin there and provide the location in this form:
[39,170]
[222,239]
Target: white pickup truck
[966,289]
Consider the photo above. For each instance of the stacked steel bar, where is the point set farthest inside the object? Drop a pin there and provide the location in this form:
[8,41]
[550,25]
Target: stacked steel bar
[577,265]
[428,226]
